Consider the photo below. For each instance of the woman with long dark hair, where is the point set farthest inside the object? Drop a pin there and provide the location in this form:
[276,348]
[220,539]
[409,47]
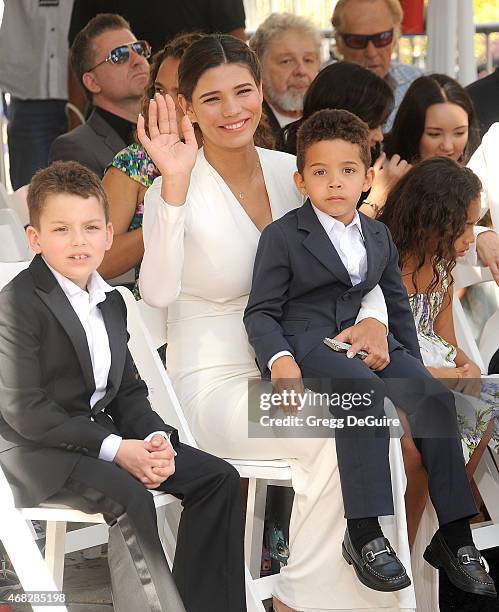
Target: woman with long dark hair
[435,119]
[202,223]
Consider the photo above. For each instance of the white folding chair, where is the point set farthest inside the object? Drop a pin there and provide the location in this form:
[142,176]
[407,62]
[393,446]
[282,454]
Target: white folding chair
[8,270]
[18,202]
[489,339]
[467,276]
[4,197]
[37,574]
[13,243]
[147,328]
[486,477]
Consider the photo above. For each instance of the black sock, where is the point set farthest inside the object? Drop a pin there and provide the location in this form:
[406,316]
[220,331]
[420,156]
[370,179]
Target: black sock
[363,530]
[457,534]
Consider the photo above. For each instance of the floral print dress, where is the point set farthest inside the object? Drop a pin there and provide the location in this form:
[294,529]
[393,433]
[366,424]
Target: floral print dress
[474,414]
[137,165]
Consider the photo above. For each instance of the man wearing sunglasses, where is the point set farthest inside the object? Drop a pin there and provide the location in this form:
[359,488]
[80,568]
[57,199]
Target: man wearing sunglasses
[366,33]
[113,67]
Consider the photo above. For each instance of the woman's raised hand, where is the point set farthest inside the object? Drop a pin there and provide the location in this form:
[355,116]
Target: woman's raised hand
[172,157]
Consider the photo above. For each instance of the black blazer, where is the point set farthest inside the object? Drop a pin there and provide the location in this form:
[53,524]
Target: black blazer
[302,292]
[46,382]
[485,96]
[93,144]
[274,124]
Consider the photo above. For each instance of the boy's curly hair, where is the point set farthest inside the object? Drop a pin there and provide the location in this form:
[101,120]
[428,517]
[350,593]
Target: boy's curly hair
[332,124]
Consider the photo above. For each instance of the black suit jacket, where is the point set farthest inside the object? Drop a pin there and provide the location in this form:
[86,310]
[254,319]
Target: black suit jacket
[302,292]
[274,124]
[93,144]
[485,96]
[46,382]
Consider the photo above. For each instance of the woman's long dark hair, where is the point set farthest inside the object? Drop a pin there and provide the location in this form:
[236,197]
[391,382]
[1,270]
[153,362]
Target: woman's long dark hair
[176,49]
[426,212]
[346,86]
[408,126]
[212,51]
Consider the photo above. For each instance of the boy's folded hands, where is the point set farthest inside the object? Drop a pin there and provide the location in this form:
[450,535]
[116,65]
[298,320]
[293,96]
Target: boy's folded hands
[150,462]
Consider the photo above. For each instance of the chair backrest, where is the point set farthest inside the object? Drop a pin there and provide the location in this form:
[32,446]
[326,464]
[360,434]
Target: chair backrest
[151,369]
[467,276]
[8,270]
[489,339]
[6,495]
[18,201]
[13,243]
[4,197]
[156,320]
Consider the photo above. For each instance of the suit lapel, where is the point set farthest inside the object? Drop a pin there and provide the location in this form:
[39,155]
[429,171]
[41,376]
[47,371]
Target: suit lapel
[50,292]
[111,138]
[117,334]
[375,247]
[318,244]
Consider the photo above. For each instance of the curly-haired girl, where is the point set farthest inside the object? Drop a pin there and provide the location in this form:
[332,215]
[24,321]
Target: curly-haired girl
[430,213]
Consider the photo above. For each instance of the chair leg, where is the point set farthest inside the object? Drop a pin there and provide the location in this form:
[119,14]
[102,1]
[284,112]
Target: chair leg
[167,534]
[253,601]
[26,557]
[255,519]
[55,541]
[86,537]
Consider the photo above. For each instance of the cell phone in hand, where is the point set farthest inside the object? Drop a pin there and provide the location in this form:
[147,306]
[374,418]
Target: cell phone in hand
[342,347]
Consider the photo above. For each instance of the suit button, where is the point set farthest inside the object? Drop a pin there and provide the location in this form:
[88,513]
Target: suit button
[347,297]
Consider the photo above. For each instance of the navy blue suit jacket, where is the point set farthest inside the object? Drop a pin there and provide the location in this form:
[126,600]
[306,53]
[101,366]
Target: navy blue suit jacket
[301,291]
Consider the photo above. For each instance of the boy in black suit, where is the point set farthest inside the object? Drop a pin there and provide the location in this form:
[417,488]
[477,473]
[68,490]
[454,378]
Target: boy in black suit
[76,425]
[312,268]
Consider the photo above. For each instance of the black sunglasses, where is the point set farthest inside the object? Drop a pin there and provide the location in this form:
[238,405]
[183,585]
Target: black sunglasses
[360,41]
[120,55]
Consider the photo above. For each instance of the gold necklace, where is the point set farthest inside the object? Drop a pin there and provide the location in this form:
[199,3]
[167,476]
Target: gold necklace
[241,194]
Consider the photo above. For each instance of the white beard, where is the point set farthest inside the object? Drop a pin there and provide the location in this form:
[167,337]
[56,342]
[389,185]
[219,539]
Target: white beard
[291,101]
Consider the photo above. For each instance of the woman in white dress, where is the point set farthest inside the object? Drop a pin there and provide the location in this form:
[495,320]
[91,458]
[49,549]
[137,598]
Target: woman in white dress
[202,222]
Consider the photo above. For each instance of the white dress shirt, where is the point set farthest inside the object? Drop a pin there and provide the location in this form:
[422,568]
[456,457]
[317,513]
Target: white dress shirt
[349,244]
[34,48]
[84,303]
[283,120]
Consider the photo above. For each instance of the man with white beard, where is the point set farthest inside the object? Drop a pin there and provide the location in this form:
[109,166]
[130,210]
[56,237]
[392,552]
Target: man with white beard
[288,47]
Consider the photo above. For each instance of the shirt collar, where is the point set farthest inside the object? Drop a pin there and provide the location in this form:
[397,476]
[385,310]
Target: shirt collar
[123,127]
[96,287]
[328,222]
[283,120]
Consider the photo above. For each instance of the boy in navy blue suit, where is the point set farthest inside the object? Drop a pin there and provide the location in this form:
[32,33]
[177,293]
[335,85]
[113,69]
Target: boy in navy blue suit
[312,268]
[76,426]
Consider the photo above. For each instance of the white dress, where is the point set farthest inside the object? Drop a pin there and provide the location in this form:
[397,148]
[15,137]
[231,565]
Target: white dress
[198,260]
